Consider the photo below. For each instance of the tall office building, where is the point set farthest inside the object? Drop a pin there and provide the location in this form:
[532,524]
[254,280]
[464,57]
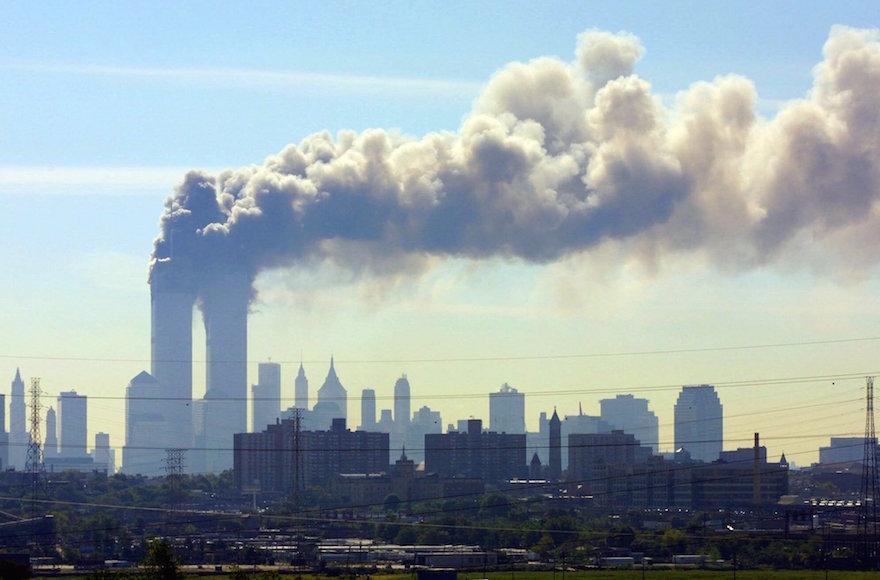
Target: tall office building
[331,394]
[19,438]
[144,450]
[630,415]
[102,454]
[301,389]
[699,422]
[507,411]
[172,296]
[555,468]
[266,396]
[72,419]
[424,422]
[402,403]
[50,447]
[224,308]
[368,410]
[4,436]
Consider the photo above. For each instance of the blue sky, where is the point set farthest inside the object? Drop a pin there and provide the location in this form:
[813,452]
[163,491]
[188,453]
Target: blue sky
[103,107]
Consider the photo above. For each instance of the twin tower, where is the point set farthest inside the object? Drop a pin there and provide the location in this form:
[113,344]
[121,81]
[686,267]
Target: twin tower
[160,411]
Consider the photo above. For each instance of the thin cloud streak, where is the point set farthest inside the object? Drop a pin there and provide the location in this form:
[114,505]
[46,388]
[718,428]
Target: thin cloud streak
[258,78]
[78,180]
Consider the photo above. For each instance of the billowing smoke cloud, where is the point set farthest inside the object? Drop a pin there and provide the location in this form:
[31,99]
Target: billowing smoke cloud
[557,158]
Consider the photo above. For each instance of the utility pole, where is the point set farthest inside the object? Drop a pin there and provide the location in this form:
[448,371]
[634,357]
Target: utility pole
[869,495]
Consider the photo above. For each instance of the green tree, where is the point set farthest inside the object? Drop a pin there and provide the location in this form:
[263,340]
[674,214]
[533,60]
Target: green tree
[161,563]
[392,503]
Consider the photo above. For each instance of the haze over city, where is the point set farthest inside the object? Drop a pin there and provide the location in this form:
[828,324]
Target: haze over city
[576,202]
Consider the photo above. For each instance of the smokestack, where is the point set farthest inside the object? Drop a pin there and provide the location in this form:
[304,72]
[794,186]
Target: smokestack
[224,301]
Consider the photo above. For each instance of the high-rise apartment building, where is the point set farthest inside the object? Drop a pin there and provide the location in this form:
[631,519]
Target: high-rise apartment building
[507,411]
[699,422]
[631,415]
[265,460]
[266,396]
[492,457]
[72,420]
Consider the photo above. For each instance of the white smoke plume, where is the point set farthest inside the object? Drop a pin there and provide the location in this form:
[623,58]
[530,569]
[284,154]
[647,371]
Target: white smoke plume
[557,158]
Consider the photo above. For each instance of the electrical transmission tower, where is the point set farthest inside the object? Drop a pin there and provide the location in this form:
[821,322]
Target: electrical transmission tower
[34,462]
[174,459]
[296,463]
[869,495]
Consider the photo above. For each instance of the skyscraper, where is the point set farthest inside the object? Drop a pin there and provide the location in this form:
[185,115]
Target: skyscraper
[19,438]
[555,467]
[368,410]
[224,308]
[144,450]
[102,454]
[699,422]
[402,403]
[72,418]
[331,394]
[301,389]
[266,396]
[507,411]
[4,436]
[631,415]
[50,447]
[171,310]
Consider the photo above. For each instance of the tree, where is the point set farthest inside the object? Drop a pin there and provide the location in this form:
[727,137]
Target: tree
[392,503]
[161,563]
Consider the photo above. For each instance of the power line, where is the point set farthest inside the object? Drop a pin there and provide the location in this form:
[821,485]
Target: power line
[746,383]
[500,358]
[303,515]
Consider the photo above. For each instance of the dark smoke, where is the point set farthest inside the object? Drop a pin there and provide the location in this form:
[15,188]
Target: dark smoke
[557,158]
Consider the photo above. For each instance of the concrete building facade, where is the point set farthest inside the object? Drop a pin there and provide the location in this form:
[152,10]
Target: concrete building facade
[699,422]
[269,462]
[490,456]
[507,411]
[632,415]
[266,396]
[72,425]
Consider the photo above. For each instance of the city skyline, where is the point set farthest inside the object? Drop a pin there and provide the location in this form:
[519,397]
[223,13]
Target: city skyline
[104,129]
